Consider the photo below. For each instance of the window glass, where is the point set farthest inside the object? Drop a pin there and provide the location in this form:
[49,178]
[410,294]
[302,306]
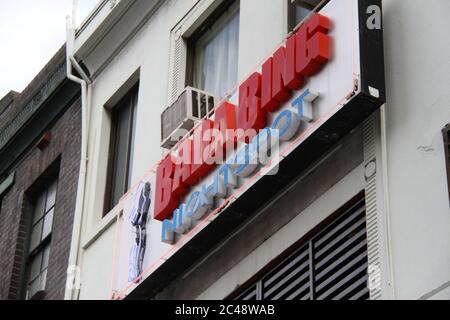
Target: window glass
[33,288]
[300,9]
[51,196]
[122,148]
[133,138]
[35,266]
[43,279]
[39,208]
[123,138]
[300,13]
[46,257]
[48,224]
[216,55]
[36,236]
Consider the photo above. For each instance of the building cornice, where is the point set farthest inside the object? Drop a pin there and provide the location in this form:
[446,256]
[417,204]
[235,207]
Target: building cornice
[27,112]
[109,29]
[31,112]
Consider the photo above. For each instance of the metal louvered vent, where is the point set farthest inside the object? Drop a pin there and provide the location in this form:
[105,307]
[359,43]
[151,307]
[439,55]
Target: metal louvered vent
[191,106]
[177,70]
[251,294]
[291,279]
[331,266]
[340,259]
[446,133]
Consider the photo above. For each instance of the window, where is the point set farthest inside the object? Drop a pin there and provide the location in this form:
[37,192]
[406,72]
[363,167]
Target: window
[215,53]
[121,149]
[299,10]
[446,133]
[332,265]
[39,246]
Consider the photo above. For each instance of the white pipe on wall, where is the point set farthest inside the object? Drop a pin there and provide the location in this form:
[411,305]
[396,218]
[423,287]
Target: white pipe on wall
[387,215]
[85,83]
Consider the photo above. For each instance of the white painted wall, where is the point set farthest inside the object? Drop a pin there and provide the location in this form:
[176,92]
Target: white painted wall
[417,49]
[97,269]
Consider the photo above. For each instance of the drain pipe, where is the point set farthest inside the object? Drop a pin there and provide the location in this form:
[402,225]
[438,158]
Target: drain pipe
[73,272]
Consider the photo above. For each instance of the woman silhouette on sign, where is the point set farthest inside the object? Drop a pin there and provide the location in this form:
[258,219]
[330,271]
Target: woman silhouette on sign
[138,219]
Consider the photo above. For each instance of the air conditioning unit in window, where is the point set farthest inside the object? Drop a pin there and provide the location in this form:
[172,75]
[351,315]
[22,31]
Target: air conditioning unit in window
[191,106]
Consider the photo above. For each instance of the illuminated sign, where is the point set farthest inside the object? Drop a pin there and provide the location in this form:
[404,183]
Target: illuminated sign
[303,56]
[323,81]
[262,149]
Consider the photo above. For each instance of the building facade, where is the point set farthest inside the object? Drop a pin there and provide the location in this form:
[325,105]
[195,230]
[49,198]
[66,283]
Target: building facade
[39,163]
[355,207]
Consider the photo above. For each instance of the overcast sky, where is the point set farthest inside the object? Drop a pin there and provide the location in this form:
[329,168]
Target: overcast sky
[31,31]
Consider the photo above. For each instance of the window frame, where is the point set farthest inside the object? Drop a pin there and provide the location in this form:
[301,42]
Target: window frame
[191,42]
[291,23]
[130,100]
[45,242]
[446,136]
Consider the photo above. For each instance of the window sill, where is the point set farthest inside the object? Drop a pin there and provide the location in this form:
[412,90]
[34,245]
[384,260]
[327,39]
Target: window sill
[40,295]
[97,231]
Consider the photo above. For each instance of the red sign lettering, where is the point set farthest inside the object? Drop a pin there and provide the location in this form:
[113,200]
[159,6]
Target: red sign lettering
[304,55]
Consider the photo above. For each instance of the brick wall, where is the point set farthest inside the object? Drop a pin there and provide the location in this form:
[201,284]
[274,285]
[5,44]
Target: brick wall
[61,155]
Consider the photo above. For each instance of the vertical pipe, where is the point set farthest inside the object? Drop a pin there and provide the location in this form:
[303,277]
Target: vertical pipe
[384,160]
[85,83]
